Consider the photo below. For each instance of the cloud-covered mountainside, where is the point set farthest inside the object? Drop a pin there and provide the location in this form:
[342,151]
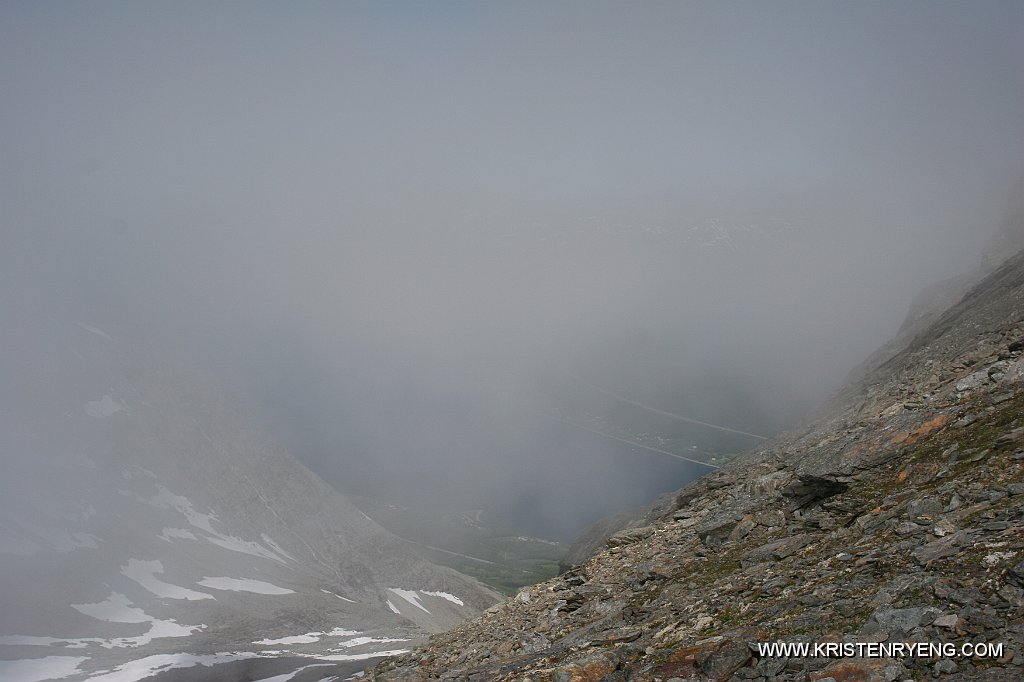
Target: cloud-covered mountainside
[894,518]
[148,524]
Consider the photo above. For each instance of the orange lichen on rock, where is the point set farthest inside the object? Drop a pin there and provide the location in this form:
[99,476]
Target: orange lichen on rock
[928,427]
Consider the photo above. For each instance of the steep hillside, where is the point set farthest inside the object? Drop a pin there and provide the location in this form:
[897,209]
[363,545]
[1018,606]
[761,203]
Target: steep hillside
[896,517]
[148,523]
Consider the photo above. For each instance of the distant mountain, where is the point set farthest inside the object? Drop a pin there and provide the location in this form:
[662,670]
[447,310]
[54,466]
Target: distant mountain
[148,523]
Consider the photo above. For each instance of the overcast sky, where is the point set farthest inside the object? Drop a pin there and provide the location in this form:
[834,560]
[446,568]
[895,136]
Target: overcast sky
[387,222]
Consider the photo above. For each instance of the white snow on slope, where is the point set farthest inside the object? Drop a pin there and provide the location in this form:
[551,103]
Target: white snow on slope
[351,601]
[392,607]
[104,407]
[276,547]
[38,669]
[409,596]
[165,499]
[115,609]
[356,657]
[360,641]
[444,595]
[169,533]
[288,676]
[243,585]
[143,668]
[308,638]
[144,573]
[117,606]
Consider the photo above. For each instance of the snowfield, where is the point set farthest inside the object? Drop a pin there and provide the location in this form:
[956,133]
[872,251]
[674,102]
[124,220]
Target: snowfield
[243,585]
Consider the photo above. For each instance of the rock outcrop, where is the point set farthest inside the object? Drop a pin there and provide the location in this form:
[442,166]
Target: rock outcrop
[898,516]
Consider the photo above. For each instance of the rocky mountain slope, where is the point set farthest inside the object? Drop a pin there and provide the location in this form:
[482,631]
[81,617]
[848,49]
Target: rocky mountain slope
[148,524]
[898,516]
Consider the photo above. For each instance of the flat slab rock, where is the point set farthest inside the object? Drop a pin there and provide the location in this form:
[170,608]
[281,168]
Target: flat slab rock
[630,535]
[777,549]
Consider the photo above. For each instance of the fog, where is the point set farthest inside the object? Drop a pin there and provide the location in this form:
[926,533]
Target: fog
[427,243]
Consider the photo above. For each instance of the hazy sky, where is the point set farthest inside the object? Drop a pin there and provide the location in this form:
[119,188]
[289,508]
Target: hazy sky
[389,221]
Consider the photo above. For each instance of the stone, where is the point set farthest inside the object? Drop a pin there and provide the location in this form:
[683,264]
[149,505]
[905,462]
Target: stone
[630,535]
[861,670]
[745,525]
[928,506]
[715,530]
[617,636]
[1016,573]
[593,668]
[1009,439]
[905,620]
[948,621]
[808,490]
[774,518]
[720,664]
[940,549]
[973,381]
[770,667]
[712,659]
[777,549]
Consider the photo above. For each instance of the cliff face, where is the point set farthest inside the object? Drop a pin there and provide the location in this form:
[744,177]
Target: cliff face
[896,516]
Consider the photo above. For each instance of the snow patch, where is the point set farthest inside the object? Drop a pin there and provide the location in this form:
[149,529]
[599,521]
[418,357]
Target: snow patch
[444,595]
[392,607]
[104,407]
[38,669]
[276,547]
[165,499]
[243,585]
[351,601]
[144,573]
[409,596]
[307,638]
[288,676]
[115,609]
[144,668]
[358,657]
[169,533]
[360,641]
